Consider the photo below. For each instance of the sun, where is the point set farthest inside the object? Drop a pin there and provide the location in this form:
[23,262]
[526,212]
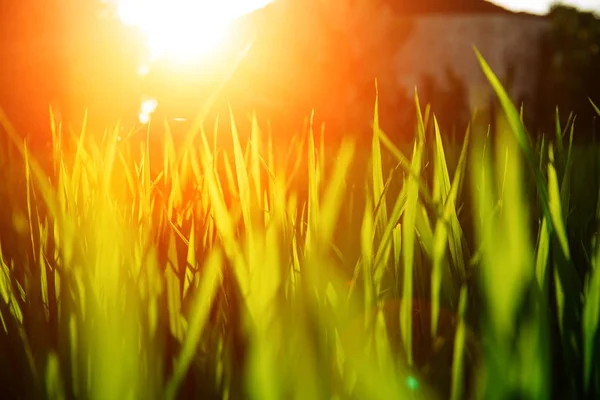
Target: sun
[184,29]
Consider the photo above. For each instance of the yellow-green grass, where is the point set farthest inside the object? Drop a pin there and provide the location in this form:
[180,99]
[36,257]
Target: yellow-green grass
[134,271]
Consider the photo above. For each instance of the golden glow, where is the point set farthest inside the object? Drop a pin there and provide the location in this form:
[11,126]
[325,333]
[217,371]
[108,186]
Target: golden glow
[184,29]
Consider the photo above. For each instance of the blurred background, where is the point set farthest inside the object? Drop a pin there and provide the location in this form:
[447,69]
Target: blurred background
[285,58]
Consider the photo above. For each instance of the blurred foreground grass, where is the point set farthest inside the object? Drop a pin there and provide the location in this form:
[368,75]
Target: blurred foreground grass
[324,272]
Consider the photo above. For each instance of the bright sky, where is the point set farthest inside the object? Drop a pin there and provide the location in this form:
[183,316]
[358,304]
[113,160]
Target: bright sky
[543,6]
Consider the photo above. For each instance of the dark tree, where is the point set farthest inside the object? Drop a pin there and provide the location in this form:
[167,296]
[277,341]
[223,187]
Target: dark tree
[570,70]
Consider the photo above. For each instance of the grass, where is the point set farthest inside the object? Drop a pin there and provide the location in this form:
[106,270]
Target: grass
[136,271]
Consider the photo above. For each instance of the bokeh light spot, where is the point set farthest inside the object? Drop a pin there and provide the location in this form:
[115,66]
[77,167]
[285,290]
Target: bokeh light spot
[412,383]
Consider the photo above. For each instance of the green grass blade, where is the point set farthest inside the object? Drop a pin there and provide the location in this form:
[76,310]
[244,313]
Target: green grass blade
[54,382]
[542,255]
[558,132]
[517,128]
[377,170]
[555,206]
[37,171]
[591,312]
[458,367]
[408,250]
[448,218]
[334,194]
[595,107]
[241,171]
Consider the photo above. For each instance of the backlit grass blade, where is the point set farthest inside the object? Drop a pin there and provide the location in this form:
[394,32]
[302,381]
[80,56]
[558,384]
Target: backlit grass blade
[366,240]
[424,231]
[397,250]
[44,282]
[313,188]
[519,268]
[28,199]
[128,176]
[198,318]
[377,170]
[243,182]
[565,186]
[169,156]
[517,128]
[456,241]
[394,221]
[36,169]
[595,107]
[77,163]
[511,111]
[406,165]
[591,312]
[567,284]
[229,183]
[542,256]
[558,133]
[334,193]
[255,161]
[173,288]
[458,359]
[441,177]
[7,292]
[448,219]
[421,123]
[408,250]
[506,268]
[191,260]
[555,207]
[56,135]
[54,382]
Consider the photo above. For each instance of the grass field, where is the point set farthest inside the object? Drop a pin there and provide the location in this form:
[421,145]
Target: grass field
[444,270]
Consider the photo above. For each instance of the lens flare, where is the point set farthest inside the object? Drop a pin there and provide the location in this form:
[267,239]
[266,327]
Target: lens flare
[144,118]
[146,109]
[184,29]
[148,106]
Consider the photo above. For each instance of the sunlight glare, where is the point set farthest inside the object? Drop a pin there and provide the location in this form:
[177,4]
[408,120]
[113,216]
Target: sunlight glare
[184,29]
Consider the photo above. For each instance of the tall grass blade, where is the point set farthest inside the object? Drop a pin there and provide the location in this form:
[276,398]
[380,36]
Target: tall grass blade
[242,178]
[332,199]
[377,170]
[54,382]
[595,107]
[198,319]
[449,218]
[408,250]
[458,367]
[591,312]
[517,128]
